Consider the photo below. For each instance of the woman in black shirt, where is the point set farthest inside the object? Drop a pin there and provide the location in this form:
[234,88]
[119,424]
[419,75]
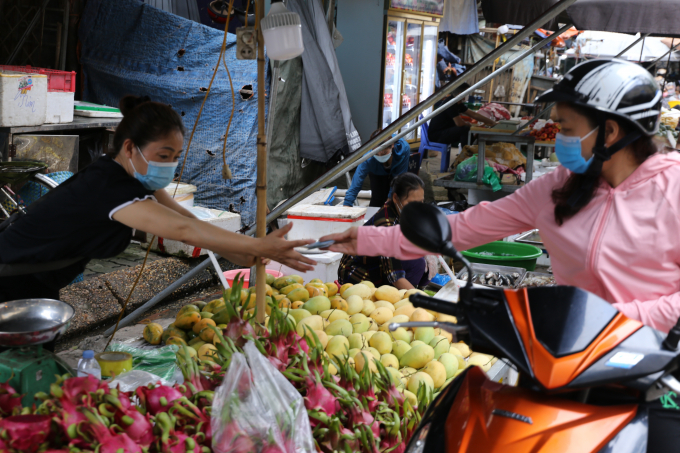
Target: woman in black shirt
[383,270]
[92,214]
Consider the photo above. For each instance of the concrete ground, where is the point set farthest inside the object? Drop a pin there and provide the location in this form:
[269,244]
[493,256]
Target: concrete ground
[71,349]
[100,298]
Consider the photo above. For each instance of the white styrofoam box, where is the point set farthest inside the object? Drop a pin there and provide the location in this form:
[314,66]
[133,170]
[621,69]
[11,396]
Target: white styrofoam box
[23,99]
[182,193]
[315,221]
[59,107]
[223,219]
[326,268]
[186,200]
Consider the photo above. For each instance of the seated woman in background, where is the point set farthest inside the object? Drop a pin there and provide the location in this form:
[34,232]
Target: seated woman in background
[403,274]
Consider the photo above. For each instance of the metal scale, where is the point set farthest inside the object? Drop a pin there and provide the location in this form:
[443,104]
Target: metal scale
[25,326]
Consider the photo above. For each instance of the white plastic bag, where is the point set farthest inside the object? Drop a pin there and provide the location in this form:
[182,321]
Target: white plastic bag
[256,409]
[128,382]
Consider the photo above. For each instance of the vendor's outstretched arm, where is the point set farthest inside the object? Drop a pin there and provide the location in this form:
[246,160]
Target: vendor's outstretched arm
[477,226]
[162,221]
[661,314]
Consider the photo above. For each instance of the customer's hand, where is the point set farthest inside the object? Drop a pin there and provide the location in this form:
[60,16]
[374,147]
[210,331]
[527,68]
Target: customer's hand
[345,242]
[276,247]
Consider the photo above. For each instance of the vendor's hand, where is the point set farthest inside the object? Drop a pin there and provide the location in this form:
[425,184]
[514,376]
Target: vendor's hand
[345,242]
[276,247]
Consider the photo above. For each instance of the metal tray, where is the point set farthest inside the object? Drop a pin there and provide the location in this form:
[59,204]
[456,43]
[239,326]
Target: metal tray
[479,268]
[534,274]
[530,237]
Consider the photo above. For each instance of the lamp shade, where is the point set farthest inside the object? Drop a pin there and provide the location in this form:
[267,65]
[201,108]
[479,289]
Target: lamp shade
[282,33]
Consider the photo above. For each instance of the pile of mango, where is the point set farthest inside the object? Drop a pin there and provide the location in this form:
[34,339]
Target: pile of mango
[191,326]
[354,320]
[351,321]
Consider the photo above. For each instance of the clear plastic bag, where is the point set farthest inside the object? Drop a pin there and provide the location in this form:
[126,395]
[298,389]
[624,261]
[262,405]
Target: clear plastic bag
[256,409]
[467,172]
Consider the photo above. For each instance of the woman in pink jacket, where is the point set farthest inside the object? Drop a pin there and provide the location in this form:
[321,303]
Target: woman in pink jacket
[609,216]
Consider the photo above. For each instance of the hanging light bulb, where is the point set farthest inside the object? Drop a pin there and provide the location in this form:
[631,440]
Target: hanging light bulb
[282,32]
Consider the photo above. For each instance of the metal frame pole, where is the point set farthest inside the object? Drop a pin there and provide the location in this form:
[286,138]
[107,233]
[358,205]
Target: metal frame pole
[668,67]
[359,157]
[654,63]
[64,36]
[551,105]
[371,148]
[162,295]
[633,45]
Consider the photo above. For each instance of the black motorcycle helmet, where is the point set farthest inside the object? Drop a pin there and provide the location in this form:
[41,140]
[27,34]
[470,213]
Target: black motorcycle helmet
[612,89]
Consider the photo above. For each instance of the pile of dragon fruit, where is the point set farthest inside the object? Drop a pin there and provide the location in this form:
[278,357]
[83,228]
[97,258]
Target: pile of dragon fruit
[82,414]
[349,411]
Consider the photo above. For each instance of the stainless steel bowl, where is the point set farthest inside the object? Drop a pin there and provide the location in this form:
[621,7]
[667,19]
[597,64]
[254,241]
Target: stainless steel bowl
[29,322]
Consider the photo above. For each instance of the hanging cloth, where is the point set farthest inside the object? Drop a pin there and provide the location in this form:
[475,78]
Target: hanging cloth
[460,17]
[326,128]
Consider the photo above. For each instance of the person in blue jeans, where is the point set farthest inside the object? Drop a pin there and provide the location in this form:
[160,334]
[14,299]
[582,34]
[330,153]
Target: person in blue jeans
[382,168]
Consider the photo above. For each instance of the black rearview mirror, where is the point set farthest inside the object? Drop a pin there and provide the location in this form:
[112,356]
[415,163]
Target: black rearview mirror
[427,227]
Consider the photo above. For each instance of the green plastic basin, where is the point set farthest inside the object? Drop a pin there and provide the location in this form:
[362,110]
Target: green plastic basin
[502,253]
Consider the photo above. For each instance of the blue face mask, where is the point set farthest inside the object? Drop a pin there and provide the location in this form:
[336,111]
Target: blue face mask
[383,159]
[158,175]
[568,150]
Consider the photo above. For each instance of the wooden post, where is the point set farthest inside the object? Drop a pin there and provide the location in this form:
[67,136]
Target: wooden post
[261,192]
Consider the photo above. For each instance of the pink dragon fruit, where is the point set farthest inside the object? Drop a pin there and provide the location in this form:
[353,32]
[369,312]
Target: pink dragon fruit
[105,440]
[156,399]
[10,400]
[319,397]
[138,427]
[25,433]
[75,388]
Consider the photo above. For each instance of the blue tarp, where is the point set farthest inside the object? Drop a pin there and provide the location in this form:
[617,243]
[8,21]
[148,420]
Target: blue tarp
[129,47]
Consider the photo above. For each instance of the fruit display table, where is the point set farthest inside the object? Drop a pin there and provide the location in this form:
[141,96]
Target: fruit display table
[492,135]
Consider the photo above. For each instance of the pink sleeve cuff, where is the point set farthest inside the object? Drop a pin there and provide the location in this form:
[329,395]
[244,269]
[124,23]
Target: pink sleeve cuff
[386,241]
[630,310]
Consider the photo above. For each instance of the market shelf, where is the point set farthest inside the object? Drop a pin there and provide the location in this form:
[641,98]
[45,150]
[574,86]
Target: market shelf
[449,182]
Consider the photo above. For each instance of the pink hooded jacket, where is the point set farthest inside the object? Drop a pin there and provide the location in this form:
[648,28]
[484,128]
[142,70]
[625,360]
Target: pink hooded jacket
[623,246]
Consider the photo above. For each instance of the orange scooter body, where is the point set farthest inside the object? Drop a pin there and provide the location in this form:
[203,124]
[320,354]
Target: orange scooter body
[494,418]
[568,346]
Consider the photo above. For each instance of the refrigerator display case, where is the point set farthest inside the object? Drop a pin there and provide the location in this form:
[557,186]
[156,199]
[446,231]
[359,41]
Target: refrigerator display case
[410,56]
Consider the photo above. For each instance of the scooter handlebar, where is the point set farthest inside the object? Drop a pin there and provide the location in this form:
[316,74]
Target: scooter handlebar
[438,305]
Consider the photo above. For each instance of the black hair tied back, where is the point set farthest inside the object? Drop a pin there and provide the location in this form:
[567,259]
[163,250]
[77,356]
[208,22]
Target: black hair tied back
[406,183]
[144,121]
[128,103]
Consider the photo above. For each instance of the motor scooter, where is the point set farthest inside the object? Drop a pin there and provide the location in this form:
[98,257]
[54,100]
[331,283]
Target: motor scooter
[590,379]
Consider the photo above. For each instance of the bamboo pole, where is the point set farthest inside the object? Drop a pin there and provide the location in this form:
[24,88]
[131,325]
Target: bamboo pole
[261,191]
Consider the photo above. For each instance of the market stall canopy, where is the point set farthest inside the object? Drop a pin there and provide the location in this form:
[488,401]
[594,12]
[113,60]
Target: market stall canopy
[657,17]
[595,44]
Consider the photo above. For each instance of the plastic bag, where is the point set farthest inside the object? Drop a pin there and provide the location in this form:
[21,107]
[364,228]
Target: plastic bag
[128,382]
[160,361]
[467,172]
[256,408]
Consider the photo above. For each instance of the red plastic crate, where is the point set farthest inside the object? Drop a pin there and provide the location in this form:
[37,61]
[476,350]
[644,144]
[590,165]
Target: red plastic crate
[63,81]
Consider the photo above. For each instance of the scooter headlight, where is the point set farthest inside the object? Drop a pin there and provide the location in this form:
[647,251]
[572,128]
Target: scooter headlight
[418,443]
